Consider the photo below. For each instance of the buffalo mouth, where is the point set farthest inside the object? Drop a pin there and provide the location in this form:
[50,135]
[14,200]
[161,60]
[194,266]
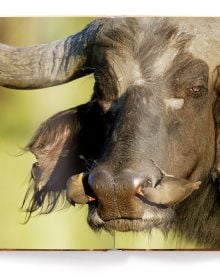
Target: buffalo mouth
[153,217]
[142,208]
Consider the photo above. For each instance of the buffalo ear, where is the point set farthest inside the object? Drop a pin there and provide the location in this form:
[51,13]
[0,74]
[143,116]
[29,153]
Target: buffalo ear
[57,146]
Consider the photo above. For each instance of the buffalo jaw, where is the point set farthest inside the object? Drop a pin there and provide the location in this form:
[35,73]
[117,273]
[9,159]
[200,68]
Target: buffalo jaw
[158,201]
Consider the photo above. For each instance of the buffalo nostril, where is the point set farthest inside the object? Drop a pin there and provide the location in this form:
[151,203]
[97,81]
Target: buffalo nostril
[150,183]
[99,177]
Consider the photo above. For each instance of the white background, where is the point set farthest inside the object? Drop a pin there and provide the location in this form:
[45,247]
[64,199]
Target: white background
[115,264]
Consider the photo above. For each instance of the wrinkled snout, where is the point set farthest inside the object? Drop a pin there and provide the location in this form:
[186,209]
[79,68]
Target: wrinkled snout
[116,194]
[127,194]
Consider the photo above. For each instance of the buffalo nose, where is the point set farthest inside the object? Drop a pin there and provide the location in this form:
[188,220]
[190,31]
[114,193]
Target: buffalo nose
[101,180]
[116,193]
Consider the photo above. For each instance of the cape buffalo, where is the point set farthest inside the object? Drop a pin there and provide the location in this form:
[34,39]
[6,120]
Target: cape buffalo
[144,152]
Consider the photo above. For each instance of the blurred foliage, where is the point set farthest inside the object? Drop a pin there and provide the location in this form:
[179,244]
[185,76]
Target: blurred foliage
[21,112]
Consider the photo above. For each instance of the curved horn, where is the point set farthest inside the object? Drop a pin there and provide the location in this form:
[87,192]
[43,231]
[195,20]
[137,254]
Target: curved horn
[49,64]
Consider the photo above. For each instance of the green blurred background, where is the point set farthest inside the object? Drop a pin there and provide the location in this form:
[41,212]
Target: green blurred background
[21,112]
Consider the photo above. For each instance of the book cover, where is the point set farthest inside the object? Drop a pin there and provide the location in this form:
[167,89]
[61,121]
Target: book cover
[109,133]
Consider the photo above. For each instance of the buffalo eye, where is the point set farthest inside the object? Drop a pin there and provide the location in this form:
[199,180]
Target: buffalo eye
[198,90]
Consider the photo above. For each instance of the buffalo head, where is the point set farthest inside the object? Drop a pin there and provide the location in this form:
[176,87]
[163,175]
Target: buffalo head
[137,152]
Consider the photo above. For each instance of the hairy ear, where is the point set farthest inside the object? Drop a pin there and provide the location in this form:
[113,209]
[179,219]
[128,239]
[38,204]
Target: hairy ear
[62,147]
